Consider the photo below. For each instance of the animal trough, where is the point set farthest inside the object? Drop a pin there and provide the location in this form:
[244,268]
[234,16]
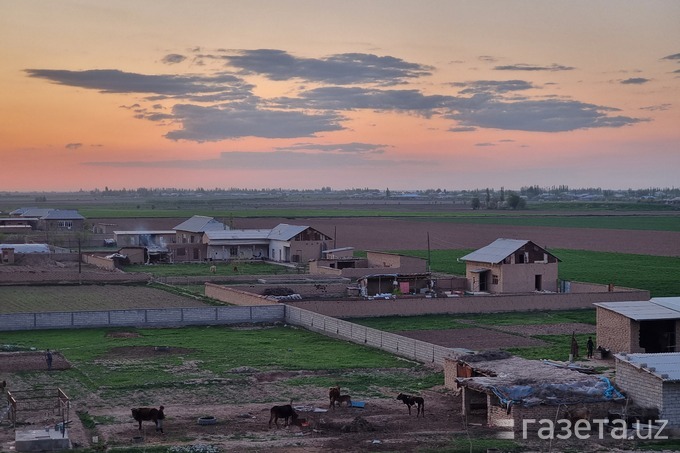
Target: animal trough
[359,404]
[41,440]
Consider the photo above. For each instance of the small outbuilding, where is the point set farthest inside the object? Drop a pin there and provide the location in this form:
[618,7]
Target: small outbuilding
[651,326]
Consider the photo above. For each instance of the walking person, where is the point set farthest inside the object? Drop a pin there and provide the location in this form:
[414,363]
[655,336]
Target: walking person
[48,359]
[589,346]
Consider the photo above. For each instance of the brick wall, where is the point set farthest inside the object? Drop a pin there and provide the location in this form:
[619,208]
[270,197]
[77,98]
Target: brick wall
[614,332]
[235,296]
[641,386]
[232,294]
[99,261]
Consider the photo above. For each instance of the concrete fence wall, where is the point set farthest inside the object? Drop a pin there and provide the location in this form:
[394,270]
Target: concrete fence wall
[409,348]
[235,296]
[467,304]
[169,317]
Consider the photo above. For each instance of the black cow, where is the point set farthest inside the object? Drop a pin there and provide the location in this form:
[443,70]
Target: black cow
[333,395]
[284,412]
[149,414]
[411,400]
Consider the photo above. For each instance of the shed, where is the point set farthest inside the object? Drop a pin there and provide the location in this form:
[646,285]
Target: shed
[639,326]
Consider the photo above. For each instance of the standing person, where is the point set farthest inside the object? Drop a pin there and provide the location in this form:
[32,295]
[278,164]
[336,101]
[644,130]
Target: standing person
[48,359]
[589,346]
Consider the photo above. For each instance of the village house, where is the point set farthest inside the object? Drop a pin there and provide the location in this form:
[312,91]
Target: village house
[189,245]
[49,219]
[511,266]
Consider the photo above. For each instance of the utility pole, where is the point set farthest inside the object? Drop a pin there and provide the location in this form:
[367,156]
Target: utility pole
[429,262]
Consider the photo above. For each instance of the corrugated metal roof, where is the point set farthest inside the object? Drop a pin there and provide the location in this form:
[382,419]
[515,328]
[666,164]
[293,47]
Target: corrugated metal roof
[144,232]
[63,214]
[225,235]
[495,252]
[669,302]
[35,212]
[640,310]
[199,224]
[27,248]
[665,365]
[285,232]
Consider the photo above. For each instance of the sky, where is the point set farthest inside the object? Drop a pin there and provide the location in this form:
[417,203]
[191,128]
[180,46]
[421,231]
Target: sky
[302,94]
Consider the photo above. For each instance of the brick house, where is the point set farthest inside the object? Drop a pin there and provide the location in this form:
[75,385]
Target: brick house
[51,219]
[341,262]
[511,266]
[639,326]
[652,381]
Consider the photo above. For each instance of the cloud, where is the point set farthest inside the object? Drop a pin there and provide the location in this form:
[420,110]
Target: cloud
[495,86]
[269,161]
[73,145]
[339,69]
[462,129]
[346,98]
[353,148]
[634,81]
[657,108]
[527,67]
[173,58]
[487,58]
[219,86]
[674,57]
[207,124]
[543,115]
[485,144]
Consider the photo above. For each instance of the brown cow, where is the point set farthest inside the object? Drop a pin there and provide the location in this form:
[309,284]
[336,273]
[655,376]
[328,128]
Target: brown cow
[149,414]
[411,400]
[285,412]
[333,395]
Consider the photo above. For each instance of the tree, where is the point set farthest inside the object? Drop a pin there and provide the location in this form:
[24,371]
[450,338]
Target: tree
[476,203]
[515,201]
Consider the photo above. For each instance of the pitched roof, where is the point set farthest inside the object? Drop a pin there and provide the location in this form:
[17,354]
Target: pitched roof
[27,248]
[200,224]
[63,214]
[225,235]
[285,232]
[497,251]
[35,212]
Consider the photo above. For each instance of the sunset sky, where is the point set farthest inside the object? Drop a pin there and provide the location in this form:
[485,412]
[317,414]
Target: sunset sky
[398,94]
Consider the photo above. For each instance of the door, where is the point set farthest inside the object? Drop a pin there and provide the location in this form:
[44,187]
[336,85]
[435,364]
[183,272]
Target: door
[538,283]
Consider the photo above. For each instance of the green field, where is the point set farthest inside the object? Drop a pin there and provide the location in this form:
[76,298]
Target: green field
[221,269]
[656,274]
[204,353]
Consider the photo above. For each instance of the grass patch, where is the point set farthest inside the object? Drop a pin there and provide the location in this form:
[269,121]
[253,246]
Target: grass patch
[206,352]
[461,444]
[203,269]
[371,383]
[558,348]
[656,274]
[445,322]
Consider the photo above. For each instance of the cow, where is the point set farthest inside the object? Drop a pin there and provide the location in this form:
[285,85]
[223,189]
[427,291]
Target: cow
[411,400]
[344,399]
[149,414]
[285,412]
[333,395]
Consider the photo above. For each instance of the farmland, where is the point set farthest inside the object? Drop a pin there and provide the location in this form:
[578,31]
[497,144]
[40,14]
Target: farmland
[236,374]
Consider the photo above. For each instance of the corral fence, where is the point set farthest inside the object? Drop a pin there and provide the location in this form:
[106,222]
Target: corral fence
[417,350]
[54,403]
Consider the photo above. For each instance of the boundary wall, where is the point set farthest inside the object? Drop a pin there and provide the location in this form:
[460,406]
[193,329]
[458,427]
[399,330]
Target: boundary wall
[167,317]
[465,304]
[417,350]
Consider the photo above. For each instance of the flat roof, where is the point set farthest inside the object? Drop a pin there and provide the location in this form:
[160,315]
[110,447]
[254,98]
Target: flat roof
[664,365]
[641,310]
[139,232]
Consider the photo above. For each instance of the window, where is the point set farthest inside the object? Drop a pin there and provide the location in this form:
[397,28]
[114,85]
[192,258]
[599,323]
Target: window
[233,251]
[494,279]
[65,224]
